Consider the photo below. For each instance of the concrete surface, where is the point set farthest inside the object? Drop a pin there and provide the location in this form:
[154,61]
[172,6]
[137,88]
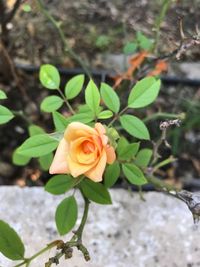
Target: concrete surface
[129,233]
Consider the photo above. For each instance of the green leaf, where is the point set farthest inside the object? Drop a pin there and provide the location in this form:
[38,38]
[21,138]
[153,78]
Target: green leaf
[5,115]
[113,136]
[51,103]
[128,151]
[144,42]
[164,162]
[26,8]
[130,48]
[49,77]
[103,41]
[144,93]
[143,157]
[38,145]
[60,121]
[111,175]
[2,95]
[20,160]
[133,174]
[86,110]
[92,97]
[11,244]
[57,136]
[95,192]
[134,127]
[74,86]
[45,161]
[109,97]
[106,114]
[66,215]
[122,143]
[82,117]
[60,184]
[34,130]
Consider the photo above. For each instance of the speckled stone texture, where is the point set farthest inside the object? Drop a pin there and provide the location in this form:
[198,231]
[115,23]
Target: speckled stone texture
[130,233]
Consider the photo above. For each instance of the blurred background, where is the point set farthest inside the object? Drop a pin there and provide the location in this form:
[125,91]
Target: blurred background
[106,37]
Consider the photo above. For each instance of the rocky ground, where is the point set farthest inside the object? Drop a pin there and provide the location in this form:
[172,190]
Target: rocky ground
[130,233]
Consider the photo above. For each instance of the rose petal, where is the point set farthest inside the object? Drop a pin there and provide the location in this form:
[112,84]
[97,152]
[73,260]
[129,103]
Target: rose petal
[110,153]
[76,130]
[59,164]
[76,168]
[101,132]
[99,127]
[96,173]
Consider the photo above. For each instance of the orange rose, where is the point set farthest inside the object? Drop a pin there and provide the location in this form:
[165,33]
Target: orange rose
[83,150]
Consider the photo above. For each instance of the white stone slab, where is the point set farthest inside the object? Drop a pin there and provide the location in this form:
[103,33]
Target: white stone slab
[129,233]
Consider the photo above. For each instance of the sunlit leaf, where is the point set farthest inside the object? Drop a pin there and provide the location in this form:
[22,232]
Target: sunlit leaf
[144,93]
[2,95]
[105,114]
[5,115]
[49,77]
[51,103]
[38,145]
[92,97]
[109,97]
[60,121]
[74,86]
[133,174]
[134,127]
[20,160]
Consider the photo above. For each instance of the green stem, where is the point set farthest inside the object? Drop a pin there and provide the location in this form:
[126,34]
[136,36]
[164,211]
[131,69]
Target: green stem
[76,240]
[66,101]
[158,22]
[67,49]
[164,115]
[156,147]
[28,260]
[160,184]
[79,232]
[117,116]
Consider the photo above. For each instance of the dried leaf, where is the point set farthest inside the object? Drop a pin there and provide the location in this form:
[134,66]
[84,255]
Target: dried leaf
[160,67]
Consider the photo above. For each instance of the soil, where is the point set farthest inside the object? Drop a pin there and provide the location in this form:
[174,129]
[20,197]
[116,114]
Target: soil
[33,41]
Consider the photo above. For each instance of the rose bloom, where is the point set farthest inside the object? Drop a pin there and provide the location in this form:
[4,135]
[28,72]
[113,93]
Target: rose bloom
[83,150]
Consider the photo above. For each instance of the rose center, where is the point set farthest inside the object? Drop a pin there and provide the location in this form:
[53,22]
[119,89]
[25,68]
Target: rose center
[88,147]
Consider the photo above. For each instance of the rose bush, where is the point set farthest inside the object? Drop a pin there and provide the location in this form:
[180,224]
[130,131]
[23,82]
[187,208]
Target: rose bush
[85,142]
[83,150]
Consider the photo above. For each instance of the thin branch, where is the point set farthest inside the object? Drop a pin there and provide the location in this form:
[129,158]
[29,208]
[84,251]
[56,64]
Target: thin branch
[159,20]
[12,13]
[117,116]
[13,71]
[2,11]
[66,101]
[67,49]
[164,115]
[160,185]
[75,241]
[163,127]
[48,247]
